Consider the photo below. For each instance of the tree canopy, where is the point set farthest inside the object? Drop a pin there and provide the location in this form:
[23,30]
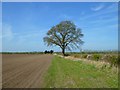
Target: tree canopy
[66,35]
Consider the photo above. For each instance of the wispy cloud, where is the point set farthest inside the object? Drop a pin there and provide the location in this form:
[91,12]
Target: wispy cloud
[0,36]
[0,29]
[105,20]
[97,8]
[25,37]
[106,11]
[7,32]
[20,40]
[22,37]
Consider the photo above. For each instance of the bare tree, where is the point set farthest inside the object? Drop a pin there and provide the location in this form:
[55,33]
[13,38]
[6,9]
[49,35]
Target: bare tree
[65,35]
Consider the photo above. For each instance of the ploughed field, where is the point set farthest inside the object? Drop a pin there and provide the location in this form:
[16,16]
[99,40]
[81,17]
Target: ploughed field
[24,70]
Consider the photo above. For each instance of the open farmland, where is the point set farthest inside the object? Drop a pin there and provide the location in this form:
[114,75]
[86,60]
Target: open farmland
[24,70]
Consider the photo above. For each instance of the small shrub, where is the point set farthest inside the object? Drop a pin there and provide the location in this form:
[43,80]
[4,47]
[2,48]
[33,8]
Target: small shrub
[67,54]
[118,59]
[84,56]
[104,66]
[77,55]
[96,57]
[113,61]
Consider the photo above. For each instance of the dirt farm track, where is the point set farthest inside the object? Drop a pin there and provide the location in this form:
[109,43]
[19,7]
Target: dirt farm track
[24,70]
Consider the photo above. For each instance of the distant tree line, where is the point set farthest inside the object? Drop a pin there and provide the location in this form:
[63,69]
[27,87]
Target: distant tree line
[35,52]
[51,51]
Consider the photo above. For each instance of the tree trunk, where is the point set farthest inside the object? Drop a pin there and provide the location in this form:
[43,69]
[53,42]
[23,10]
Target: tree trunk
[63,51]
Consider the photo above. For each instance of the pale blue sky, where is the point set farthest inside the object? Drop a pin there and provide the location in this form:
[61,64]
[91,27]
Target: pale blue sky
[25,24]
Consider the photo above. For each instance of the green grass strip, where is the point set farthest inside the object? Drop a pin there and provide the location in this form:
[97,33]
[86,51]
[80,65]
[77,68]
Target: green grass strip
[75,74]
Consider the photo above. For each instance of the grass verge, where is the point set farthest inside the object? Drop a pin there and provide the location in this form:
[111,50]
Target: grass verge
[65,73]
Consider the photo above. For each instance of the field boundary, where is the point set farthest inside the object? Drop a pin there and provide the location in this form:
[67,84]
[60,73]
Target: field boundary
[66,73]
[98,64]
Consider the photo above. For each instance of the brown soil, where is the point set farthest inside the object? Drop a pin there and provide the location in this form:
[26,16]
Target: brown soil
[23,70]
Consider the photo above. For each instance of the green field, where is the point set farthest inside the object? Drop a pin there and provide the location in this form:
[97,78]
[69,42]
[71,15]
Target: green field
[77,74]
